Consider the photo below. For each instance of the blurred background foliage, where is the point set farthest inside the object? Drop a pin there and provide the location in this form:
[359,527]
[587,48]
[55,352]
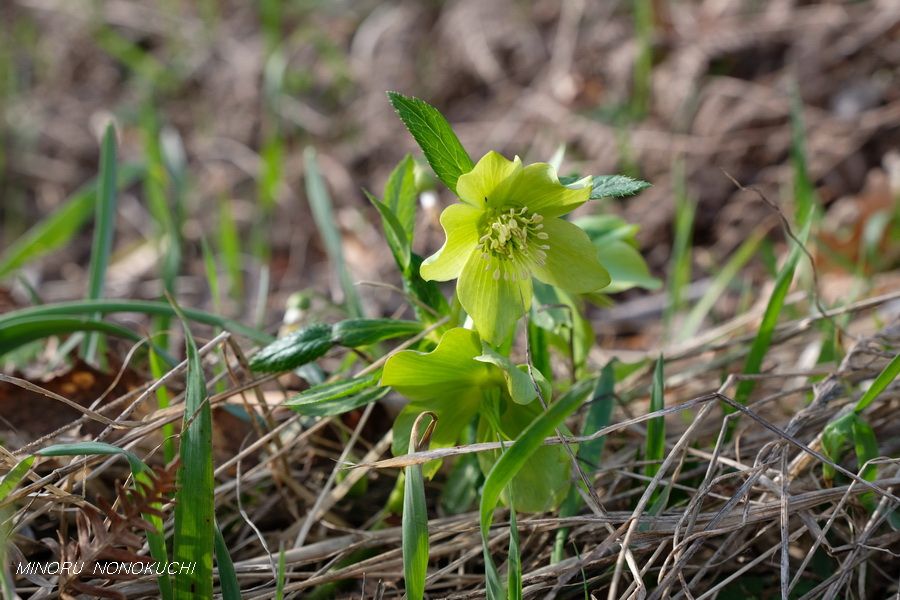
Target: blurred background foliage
[216,101]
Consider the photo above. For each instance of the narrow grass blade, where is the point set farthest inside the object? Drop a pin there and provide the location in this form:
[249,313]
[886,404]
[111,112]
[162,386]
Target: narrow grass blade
[162,402]
[763,339]
[25,331]
[156,186]
[643,65]
[656,437]
[231,589]
[104,227]
[321,206]
[680,265]
[435,137]
[805,214]
[14,477]
[230,249]
[414,526]
[884,379]
[337,406]
[506,467]
[90,307]
[599,414]
[212,274]
[400,195]
[279,582]
[156,539]
[655,447]
[397,238]
[720,283]
[59,227]
[195,502]
[514,573]
[9,482]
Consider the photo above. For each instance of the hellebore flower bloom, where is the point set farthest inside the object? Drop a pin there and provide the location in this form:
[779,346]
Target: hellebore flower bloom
[506,230]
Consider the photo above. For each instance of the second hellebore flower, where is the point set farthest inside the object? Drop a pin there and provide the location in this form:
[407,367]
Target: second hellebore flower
[506,230]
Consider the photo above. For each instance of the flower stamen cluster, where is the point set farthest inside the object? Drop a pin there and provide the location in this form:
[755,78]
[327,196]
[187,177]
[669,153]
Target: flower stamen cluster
[514,235]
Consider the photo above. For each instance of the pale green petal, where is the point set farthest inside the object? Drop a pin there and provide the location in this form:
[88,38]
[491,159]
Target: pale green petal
[495,293]
[448,369]
[479,183]
[571,262]
[460,223]
[537,187]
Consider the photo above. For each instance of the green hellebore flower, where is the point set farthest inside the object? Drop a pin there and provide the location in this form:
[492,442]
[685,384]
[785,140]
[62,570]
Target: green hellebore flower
[506,230]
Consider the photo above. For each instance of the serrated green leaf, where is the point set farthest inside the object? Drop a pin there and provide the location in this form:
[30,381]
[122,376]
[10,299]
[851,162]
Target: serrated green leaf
[353,333]
[615,186]
[294,350]
[460,489]
[435,137]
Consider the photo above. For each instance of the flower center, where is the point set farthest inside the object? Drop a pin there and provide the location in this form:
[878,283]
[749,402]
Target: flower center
[514,235]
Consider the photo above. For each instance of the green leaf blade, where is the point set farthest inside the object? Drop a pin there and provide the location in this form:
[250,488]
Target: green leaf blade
[323,213]
[294,350]
[414,524]
[400,195]
[435,137]
[354,333]
[195,501]
[104,228]
[615,186]
[884,379]
[58,228]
